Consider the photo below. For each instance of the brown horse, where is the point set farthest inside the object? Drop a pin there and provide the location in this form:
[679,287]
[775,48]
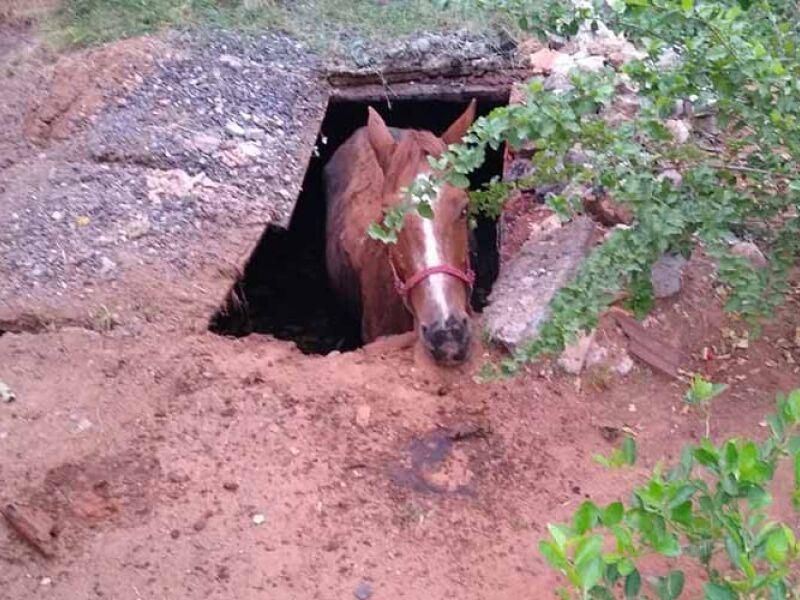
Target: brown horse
[423,281]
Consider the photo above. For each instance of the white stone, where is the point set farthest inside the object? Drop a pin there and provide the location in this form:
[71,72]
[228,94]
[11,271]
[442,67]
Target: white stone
[679,129]
[573,359]
[751,252]
[234,129]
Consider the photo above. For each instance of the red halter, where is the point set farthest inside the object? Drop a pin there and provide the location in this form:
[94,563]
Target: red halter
[404,289]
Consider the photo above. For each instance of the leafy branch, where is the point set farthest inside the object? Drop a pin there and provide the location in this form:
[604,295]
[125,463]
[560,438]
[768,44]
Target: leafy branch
[711,508]
[740,67]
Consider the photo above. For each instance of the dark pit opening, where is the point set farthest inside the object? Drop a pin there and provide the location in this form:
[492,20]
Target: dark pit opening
[284,289]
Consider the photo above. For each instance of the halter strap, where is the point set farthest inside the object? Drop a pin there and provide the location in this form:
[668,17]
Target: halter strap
[404,288]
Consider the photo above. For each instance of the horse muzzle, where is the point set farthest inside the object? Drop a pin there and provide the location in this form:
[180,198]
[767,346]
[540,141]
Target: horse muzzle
[447,340]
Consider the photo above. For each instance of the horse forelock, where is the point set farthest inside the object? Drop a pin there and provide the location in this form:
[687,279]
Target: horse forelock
[410,158]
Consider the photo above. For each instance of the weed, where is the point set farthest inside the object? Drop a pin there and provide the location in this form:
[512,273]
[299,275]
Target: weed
[700,394]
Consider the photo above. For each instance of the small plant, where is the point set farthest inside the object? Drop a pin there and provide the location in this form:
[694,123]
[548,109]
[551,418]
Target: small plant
[701,393]
[619,457]
[710,508]
[103,320]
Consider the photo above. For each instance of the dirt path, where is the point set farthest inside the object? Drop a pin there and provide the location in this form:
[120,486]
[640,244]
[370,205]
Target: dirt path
[178,464]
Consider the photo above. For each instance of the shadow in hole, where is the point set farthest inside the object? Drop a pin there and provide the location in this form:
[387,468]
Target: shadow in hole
[284,289]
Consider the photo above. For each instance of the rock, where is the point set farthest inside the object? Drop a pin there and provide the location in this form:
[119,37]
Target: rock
[555,41]
[590,64]
[541,62]
[231,61]
[57,216]
[668,60]
[234,129]
[596,355]
[249,149]
[679,129]
[624,365]
[576,156]
[623,108]
[6,395]
[107,266]
[137,228]
[254,133]
[751,252]
[573,358]
[363,591]
[421,46]
[673,176]
[546,225]
[206,142]
[80,424]
[624,55]
[558,82]
[563,64]
[519,302]
[528,47]
[258,519]
[606,211]
[362,415]
[667,274]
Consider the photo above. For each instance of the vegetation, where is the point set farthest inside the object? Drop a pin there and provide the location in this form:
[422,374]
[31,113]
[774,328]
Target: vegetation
[738,59]
[708,513]
[87,22]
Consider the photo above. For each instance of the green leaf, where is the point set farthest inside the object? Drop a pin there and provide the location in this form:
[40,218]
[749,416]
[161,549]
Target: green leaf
[425,210]
[459,180]
[612,514]
[777,547]
[378,233]
[585,517]
[797,471]
[687,5]
[633,583]
[588,561]
[675,582]
[553,555]
[590,572]
[588,549]
[715,591]
[793,405]
[668,545]
[758,498]
[682,513]
[669,587]
[560,534]
[629,451]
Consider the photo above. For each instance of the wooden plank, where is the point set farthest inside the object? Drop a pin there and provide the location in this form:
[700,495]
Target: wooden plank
[650,349]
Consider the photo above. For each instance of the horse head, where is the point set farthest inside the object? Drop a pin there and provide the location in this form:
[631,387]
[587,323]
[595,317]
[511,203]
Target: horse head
[430,259]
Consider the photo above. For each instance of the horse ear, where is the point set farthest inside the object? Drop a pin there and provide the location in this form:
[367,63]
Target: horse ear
[380,138]
[459,128]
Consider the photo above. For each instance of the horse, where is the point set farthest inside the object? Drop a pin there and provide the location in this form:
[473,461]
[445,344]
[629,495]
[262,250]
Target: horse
[423,282]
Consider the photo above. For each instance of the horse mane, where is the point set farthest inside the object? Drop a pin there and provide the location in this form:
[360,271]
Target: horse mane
[410,157]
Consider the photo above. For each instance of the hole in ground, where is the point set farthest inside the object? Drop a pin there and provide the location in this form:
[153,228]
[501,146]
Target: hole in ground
[284,289]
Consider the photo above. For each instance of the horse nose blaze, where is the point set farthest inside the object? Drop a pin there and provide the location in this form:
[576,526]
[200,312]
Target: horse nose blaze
[447,340]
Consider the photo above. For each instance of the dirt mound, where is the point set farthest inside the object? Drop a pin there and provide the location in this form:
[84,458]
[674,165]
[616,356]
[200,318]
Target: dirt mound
[83,81]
